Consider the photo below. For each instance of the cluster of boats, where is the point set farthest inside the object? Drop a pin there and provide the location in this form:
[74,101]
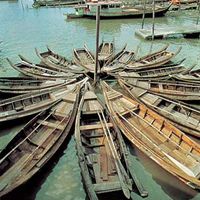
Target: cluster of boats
[154,116]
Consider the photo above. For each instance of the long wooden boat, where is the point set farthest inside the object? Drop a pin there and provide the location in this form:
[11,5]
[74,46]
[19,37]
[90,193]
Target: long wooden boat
[84,58]
[55,3]
[31,103]
[157,73]
[181,115]
[170,89]
[22,87]
[117,10]
[118,62]
[186,78]
[18,79]
[153,60]
[156,137]
[106,50]
[101,150]
[37,142]
[56,62]
[40,72]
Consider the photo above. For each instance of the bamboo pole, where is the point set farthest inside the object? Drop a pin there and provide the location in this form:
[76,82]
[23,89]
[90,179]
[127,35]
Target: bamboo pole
[153,25]
[97,43]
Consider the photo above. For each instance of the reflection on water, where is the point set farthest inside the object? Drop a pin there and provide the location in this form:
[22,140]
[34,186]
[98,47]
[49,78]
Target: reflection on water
[22,29]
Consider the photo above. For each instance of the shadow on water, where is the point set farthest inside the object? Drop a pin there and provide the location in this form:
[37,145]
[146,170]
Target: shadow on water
[29,190]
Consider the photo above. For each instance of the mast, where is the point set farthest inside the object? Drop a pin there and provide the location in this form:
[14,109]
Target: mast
[97,42]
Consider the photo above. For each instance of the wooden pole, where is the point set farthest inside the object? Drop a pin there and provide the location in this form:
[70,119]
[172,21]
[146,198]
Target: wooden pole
[153,25]
[143,15]
[198,13]
[97,43]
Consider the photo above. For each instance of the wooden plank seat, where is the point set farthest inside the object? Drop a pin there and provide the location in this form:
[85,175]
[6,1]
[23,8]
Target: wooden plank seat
[69,98]
[133,109]
[90,112]
[114,96]
[51,125]
[59,114]
[170,107]
[93,126]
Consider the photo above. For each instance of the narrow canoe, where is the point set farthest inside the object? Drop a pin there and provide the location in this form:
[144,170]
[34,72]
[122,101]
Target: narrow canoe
[84,58]
[37,142]
[157,138]
[22,87]
[40,72]
[153,60]
[106,50]
[181,115]
[173,90]
[31,103]
[157,73]
[56,62]
[101,150]
[186,78]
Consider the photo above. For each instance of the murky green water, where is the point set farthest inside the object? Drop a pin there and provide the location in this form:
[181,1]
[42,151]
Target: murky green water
[23,28]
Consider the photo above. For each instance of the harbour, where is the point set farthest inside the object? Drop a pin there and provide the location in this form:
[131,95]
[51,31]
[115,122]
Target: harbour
[21,32]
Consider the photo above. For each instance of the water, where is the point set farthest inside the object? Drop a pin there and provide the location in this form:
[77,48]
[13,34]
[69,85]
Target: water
[23,28]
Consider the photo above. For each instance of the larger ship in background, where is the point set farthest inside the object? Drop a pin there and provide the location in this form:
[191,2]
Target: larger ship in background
[116,10]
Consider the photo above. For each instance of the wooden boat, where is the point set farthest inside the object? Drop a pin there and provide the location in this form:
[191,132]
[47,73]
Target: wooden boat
[153,60]
[55,3]
[40,72]
[186,78]
[56,62]
[18,79]
[156,137]
[26,87]
[106,50]
[31,103]
[101,150]
[117,10]
[37,142]
[84,58]
[9,81]
[119,61]
[181,115]
[157,73]
[170,89]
